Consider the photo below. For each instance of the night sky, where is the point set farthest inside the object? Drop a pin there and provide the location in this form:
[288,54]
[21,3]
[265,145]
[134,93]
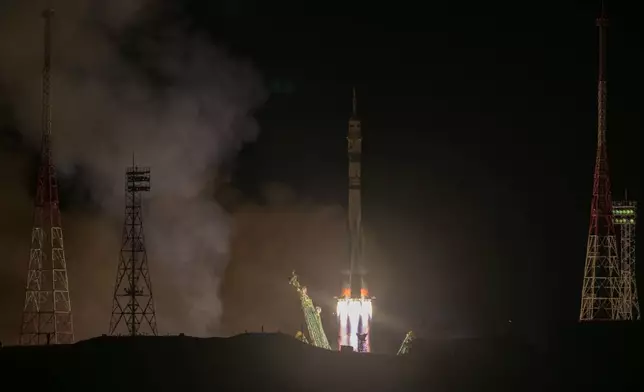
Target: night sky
[479,129]
[479,132]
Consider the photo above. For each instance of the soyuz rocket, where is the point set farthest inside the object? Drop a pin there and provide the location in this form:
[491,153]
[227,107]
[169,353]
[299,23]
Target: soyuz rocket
[354,307]
[356,287]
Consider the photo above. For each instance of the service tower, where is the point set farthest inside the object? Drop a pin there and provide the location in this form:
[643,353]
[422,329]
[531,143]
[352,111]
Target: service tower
[354,307]
[625,218]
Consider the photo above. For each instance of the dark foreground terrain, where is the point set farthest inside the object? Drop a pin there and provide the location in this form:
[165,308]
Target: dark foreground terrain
[608,357]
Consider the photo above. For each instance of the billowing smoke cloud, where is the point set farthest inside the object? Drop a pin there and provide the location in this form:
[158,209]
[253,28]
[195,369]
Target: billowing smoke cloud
[269,241]
[128,79]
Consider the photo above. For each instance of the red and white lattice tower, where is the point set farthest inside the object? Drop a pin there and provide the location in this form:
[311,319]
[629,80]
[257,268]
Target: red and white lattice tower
[47,312]
[602,293]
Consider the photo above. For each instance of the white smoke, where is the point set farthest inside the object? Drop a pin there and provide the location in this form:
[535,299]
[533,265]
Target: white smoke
[127,79]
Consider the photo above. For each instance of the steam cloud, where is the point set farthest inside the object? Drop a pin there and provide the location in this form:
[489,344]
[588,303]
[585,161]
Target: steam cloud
[126,80]
[284,233]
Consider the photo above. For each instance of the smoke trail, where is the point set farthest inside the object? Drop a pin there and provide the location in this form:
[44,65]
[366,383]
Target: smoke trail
[128,77]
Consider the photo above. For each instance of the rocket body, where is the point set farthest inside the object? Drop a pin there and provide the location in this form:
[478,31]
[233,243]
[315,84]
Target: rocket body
[354,308]
[354,149]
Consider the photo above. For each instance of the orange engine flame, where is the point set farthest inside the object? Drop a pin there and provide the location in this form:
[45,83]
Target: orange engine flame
[346,292]
[364,292]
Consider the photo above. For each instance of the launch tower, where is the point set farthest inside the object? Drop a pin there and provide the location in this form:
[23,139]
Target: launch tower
[602,296]
[625,213]
[354,308]
[133,305]
[47,312]
[311,316]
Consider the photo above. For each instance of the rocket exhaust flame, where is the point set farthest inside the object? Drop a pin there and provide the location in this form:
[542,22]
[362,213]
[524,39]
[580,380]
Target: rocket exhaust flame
[354,319]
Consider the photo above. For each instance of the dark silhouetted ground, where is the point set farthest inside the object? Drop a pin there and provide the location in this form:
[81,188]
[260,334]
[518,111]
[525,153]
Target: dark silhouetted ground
[606,357]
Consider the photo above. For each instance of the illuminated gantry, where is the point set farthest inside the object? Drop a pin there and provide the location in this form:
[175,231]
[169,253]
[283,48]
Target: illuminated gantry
[625,218]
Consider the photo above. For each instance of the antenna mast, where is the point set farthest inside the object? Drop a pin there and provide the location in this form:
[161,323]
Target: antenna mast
[133,310]
[47,312]
[602,296]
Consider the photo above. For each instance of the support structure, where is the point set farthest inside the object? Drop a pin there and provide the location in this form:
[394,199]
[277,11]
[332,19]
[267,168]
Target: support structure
[602,296]
[299,335]
[354,307]
[47,313]
[625,217]
[311,315]
[406,344]
[133,304]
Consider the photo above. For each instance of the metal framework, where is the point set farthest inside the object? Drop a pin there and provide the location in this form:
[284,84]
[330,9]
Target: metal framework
[602,292]
[300,336]
[133,304]
[625,217]
[311,315]
[406,344]
[47,312]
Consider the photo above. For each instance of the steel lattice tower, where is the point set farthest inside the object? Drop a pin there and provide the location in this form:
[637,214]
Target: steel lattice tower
[625,213]
[602,293]
[311,315]
[133,305]
[47,313]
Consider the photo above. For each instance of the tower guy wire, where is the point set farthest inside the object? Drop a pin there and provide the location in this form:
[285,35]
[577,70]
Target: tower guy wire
[133,310]
[47,312]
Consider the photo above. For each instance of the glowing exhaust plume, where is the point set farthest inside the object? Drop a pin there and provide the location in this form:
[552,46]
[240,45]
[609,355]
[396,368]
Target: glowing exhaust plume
[354,320]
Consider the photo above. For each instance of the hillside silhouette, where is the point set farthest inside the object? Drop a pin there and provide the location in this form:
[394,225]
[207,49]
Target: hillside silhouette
[598,357]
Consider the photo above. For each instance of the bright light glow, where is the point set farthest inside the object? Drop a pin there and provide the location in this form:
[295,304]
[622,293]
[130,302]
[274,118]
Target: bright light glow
[354,318]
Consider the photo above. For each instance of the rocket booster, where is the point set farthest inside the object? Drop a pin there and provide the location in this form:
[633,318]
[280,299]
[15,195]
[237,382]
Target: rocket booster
[356,284]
